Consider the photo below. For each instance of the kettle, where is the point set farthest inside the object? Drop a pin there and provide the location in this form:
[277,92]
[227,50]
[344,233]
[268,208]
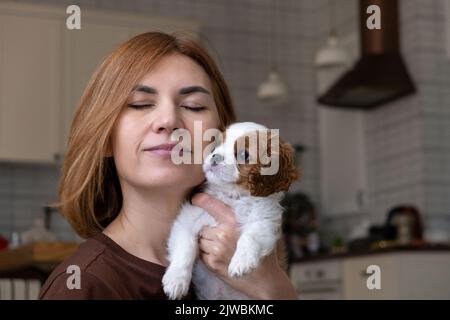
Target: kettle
[408,223]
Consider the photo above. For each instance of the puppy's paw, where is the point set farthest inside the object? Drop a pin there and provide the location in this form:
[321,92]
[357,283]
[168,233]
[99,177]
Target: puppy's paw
[242,263]
[176,283]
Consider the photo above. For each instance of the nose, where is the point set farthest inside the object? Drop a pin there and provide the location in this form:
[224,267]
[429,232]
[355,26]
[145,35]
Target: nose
[166,119]
[216,159]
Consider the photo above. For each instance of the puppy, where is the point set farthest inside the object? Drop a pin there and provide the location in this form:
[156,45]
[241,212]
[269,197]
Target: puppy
[235,175]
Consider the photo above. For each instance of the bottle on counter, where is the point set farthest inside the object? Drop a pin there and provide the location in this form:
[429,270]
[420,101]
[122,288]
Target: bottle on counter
[313,241]
[37,233]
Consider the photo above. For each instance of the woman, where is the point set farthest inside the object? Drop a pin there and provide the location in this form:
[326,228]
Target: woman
[120,189]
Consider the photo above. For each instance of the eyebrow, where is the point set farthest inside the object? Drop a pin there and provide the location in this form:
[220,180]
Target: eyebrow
[146,89]
[186,90]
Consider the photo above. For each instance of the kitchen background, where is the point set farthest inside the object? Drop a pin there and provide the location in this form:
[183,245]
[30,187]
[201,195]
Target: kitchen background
[403,147]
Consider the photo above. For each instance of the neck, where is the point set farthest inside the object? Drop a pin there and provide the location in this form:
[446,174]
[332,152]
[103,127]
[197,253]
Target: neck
[143,225]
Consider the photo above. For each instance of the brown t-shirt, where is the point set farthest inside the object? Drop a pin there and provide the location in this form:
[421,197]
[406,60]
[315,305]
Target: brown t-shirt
[107,272]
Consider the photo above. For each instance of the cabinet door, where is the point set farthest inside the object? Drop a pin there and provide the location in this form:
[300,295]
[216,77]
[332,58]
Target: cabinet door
[29,88]
[355,277]
[342,161]
[425,275]
[84,50]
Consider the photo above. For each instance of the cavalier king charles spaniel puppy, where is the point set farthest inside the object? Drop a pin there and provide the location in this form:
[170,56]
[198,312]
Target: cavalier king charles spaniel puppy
[235,174]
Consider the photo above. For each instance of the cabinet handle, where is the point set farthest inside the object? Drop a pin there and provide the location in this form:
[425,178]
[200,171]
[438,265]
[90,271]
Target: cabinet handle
[56,157]
[320,274]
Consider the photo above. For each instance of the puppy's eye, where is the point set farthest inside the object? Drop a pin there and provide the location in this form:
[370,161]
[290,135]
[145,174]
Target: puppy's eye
[243,156]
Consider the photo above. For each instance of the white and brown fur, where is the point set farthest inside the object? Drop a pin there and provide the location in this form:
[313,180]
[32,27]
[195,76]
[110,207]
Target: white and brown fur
[255,199]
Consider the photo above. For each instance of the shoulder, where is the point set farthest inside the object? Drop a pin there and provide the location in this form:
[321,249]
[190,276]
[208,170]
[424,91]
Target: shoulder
[78,286]
[77,276]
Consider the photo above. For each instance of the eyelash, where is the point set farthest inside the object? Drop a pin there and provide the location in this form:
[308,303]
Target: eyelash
[195,109]
[142,106]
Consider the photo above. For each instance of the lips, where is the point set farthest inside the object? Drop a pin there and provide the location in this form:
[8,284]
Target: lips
[163,147]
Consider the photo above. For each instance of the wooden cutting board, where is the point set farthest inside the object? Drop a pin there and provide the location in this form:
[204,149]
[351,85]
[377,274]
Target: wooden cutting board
[44,255]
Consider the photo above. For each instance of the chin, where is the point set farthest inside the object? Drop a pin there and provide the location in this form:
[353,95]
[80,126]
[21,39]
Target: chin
[176,178]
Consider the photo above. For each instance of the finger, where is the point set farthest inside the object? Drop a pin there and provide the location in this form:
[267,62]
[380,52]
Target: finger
[207,233]
[210,247]
[216,208]
[221,233]
[211,262]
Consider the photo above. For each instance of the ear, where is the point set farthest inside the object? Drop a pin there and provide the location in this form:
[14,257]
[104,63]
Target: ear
[108,151]
[264,185]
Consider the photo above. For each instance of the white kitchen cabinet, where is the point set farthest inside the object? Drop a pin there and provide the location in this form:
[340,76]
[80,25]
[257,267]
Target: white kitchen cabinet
[355,276]
[44,68]
[343,176]
[404,275]
[30,84]
[407,275]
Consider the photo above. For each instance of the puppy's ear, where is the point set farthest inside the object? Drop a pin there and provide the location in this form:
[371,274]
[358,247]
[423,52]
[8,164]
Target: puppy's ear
[263,185]
[288,172]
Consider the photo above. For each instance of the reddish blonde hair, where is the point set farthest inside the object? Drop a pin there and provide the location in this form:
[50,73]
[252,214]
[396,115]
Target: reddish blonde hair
[90,196]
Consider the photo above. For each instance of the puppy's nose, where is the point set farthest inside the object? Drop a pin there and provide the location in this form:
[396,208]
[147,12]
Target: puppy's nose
[216,159]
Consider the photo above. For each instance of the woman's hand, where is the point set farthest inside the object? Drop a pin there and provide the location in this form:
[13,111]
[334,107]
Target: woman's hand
[218,244]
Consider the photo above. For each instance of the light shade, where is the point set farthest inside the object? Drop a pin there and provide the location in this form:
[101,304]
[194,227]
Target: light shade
[331,55]
[273,88]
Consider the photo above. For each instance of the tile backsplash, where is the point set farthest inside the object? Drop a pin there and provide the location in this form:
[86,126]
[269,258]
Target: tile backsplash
[24,191]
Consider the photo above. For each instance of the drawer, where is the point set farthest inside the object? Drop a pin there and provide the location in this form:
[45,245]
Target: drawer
[316,271]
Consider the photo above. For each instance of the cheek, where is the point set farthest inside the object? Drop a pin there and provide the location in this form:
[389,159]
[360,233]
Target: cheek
[123,140]
[198,137]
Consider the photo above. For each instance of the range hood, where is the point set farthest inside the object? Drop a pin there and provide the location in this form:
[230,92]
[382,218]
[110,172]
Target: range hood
[380,75]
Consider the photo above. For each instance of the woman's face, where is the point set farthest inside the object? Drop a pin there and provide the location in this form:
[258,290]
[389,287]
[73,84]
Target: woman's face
[172,96]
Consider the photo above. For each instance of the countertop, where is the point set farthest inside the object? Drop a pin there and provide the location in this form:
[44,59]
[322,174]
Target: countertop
[379,248]
[39,257]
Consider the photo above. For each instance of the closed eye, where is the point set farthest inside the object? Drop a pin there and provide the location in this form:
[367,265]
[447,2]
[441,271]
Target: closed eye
[149,105]
[141,106]
[194,109]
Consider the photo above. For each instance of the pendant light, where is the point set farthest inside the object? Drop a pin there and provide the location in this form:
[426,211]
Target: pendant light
[332,60]
[273,89]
